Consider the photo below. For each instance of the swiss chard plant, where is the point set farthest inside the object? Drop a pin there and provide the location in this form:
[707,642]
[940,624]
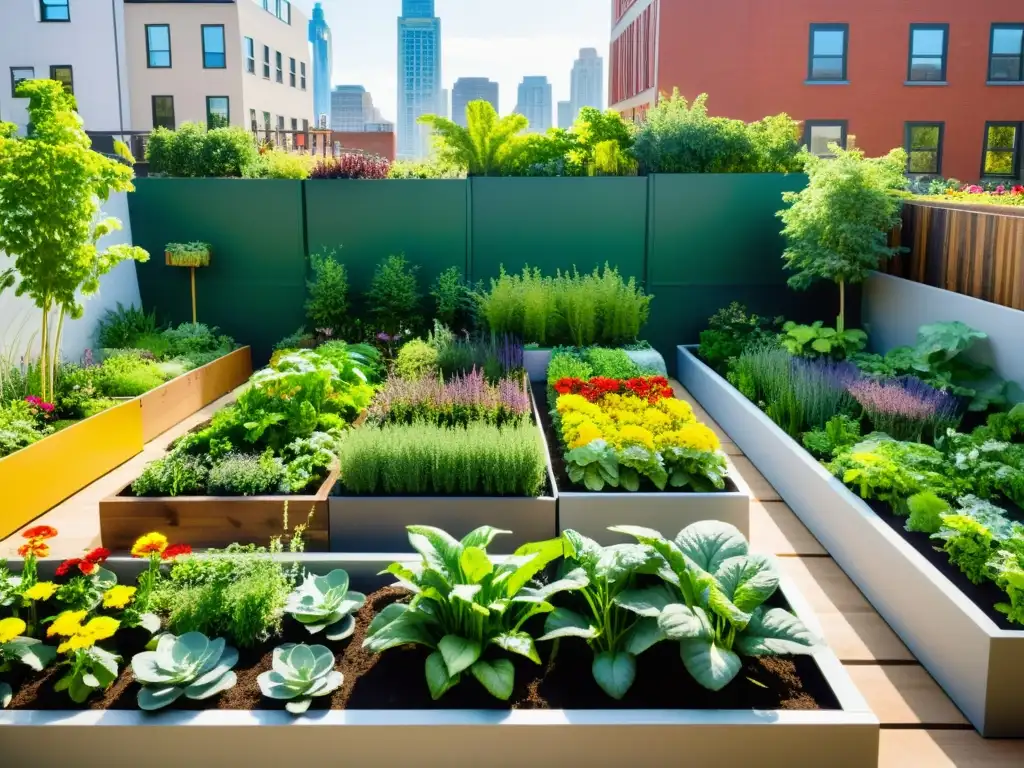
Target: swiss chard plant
[715,601]
[467,607]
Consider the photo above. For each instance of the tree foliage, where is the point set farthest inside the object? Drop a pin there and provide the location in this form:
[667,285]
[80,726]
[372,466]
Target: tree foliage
[483,146]
[52,186]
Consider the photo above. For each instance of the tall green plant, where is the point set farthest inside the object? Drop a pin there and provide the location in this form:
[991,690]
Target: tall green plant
[327,305]
[394,295]
[483,145]
[52,186]
[838,227]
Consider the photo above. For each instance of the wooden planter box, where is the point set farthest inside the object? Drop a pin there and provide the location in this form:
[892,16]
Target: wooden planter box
[977,663]
[179,398]
[844,738]
[213,521]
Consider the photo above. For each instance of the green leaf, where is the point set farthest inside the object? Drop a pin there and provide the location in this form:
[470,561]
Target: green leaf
[408,627]
[629,479]
[642,636]
[574,580]
[518,642]
[152,697]
[212,687]
[458,652]
[710,543]
[620,561]
[680,622]
[710,665]
[824,346]
[341,629]
[438,679]
[404,575]
[150,622]
[565,623]
[439,549]
[593,478]
[542,552]
[482,536]
[748,580]
[498,677]
[386,616]
[775,631]
[30,652]
[6,695]
[614,672]
[475,564]
[649,601]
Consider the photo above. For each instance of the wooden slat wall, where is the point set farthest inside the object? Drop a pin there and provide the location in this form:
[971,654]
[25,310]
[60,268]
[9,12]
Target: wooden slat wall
[974,252]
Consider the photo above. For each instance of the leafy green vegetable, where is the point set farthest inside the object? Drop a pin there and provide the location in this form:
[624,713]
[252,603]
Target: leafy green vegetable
[817,341]
[840,432]
[926,511]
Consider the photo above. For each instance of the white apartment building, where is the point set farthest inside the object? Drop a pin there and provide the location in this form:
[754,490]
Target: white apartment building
[79,42]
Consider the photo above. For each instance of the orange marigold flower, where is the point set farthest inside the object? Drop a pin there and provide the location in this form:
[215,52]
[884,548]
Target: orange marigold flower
[39,532]
[34,548]
[150,544]
[88,568]
[98,555]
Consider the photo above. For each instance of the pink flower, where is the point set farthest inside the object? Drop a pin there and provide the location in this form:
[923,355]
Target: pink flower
[1000,190]
[974,189]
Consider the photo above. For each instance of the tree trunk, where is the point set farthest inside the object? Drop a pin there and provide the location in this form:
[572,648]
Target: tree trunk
[841,321]
[43,347]
[55,356]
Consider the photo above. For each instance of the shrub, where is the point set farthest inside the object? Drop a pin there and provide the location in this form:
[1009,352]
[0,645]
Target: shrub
[416,360]
[194,151]
[190,339]
[453,300]
[327,305]
[176,474]
[239,474]
[425,169]
[394,295]
[278,164]
[484,146]
[427,460]
[127,375]
[522,305]
[611,363]
[120,328]
[730,331]
[18,428]
[351,166]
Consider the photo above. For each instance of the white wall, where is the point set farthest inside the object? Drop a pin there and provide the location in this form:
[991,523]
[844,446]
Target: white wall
[20,319]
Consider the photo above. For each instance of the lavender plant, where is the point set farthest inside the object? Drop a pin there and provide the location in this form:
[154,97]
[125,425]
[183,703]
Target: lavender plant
[906,408]
[821,387]
[458,402]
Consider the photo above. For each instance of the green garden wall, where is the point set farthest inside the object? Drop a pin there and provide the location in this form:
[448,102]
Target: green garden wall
[697,241]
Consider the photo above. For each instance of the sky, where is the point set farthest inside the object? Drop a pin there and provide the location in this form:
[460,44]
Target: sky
[500,39]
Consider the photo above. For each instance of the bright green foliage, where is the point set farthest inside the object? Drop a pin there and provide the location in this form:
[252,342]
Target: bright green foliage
[425,169]
[968,544]
[453,299]
[541,154]
[926,511]
[120,328]
[52,186]
[840,432]
[327,305]
[566,363]
[281,164]
[240,474]
[193,151]
[394,296]
[888,470]
[986,467]
[428,460]
[522,305]
[611,363]
[416,359]
[465,605]
[601,145]
[482,147]
[816,341]
[731,331]
[127,375]
[89,670]
[191,665]
[713,601]
[1007,567]
[837,228]
[1006,427]
[298,673]
[18,427]
[176,474]
[620,620]
[322,603]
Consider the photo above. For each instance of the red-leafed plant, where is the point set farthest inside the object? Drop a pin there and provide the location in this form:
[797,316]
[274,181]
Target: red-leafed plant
[351,166]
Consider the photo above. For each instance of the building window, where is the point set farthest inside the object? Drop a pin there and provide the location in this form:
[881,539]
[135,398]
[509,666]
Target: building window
[291,72]
[163,112]
[929,44]
[1006,54]
[829,44]
[18,74]
[213,46]
[278,59]
[250,56]
[302,75]
[63,74]
[266,62]
[252,120]
[217,112]
[266,120]
[158,46]
[1002,149]
[54,10]
[818,134]
[924,147]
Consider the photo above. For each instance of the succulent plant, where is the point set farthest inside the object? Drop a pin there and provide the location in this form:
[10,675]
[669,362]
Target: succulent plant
[325,602]
[299,673]
[192,665]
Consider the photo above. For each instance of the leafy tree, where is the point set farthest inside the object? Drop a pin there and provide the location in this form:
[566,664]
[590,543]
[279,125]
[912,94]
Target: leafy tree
[394,295]
[327,306]
[542,154]
[837,228]
[52,186]
[602,141]
[483,146]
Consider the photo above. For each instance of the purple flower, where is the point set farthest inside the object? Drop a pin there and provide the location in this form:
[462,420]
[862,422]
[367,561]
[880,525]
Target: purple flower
[904,408]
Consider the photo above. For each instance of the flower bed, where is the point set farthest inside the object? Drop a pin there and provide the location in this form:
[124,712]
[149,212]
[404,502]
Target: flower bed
[340,668]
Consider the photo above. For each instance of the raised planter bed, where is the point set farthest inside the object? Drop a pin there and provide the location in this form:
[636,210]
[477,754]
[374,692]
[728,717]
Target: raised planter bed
[536,363]
[846,735]
[213,521]
[972,658]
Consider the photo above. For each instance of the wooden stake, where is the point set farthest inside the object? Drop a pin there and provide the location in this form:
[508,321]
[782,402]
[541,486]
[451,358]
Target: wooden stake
[193,271]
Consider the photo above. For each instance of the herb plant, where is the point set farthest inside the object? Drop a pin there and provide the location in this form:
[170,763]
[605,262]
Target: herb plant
[731,331]
[817,341]
[191,665]
[298,674]
[394,295]
[838,433]
[327,305]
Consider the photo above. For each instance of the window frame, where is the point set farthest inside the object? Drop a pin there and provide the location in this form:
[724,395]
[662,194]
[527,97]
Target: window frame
[907,133]
[992,54]
[1015,162]
[250,56]
[302,75]
[292,72]
[844,126]
[944,28]
[227,101]
[828,27]
[42,12]
[279,67]
[149,50]
[224,43]
[14,83]
[174,117]
[70,87]
[266,62]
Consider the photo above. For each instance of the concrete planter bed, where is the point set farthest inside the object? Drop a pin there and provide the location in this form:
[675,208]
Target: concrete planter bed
[977,662]
[847,733]
[536,362]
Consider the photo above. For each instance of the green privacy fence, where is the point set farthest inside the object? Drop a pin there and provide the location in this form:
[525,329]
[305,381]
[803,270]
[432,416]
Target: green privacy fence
[696,241]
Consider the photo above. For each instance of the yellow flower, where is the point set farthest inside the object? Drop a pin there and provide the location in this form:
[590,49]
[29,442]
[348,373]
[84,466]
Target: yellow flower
[118,597]
[100,628]
[696,436]
[42,590]
[679,410]
[656,421]
[76,643]
[633,435]
[622,416]
[150,544]
[587,434]
[67,624]
[10,629]
[566,403]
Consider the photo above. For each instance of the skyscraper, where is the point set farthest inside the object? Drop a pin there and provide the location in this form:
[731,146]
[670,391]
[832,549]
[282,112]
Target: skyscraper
[467,89]
[419,75]
[587,88]
[349,107]
[565,115]
[320,37]
[535,102]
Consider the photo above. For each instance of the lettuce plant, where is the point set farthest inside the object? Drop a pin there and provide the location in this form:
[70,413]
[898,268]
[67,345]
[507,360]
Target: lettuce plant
[325,603]
[298,673]
[620,621]
[465,602]
[191,665]
[714,605]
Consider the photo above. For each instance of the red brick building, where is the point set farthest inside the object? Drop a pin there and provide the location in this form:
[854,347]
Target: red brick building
[943,78]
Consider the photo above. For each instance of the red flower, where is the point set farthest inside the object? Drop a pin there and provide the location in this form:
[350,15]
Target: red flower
[1017,190]
[176,550]
[64,568]
[98,555]
[88,568]
[35,548]
[39,532]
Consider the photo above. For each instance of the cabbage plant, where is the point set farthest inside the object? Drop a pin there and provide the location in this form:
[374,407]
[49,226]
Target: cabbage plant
[190,665]
[466,606]
[714,605]
[298,673]
[325,603]
[618,624]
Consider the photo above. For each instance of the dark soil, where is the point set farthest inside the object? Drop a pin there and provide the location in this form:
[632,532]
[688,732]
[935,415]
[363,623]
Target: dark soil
[555,449]
[395,680]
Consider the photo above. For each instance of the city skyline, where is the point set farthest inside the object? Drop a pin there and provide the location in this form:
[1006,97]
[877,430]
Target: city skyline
[476,42]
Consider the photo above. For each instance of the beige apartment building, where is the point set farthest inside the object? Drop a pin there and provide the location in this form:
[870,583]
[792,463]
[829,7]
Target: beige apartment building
[221,62]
